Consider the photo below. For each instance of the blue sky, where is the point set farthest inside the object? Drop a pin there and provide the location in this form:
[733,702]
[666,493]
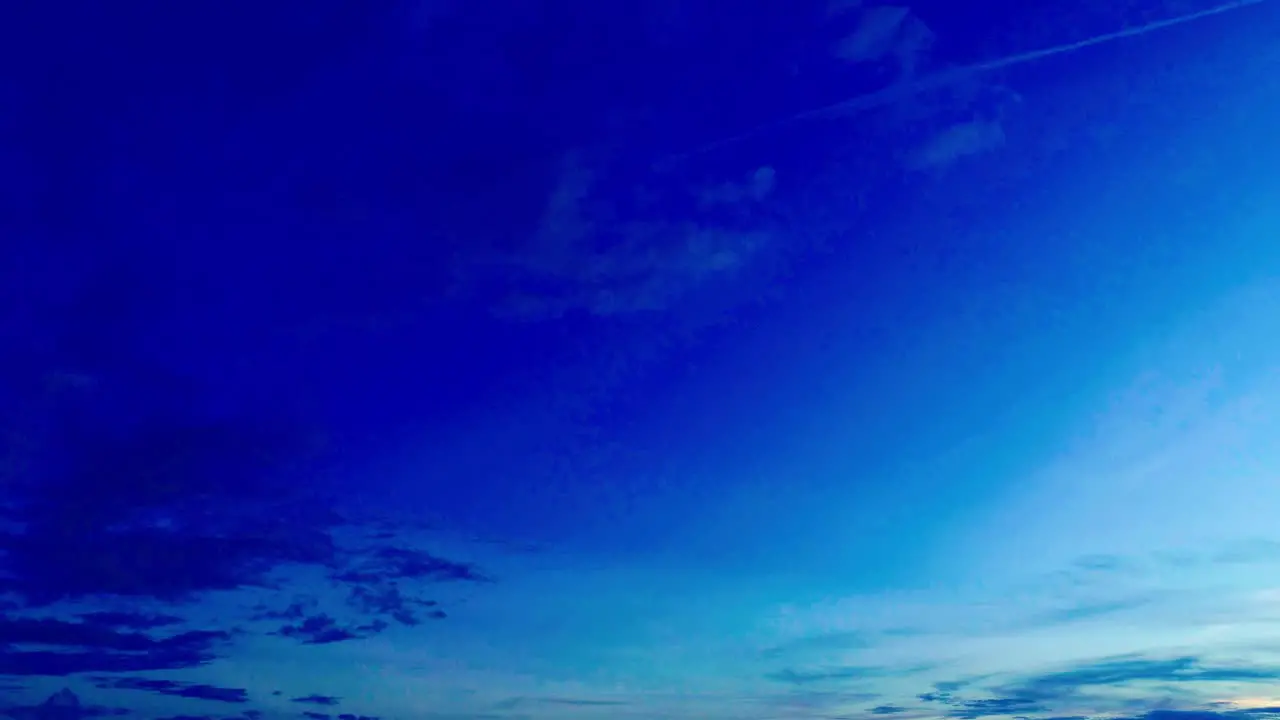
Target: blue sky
[347,388]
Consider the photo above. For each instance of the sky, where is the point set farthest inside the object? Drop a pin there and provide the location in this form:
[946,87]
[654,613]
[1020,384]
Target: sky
[443,361]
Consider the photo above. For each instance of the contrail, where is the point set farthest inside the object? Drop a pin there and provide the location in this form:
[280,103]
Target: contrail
[943,78]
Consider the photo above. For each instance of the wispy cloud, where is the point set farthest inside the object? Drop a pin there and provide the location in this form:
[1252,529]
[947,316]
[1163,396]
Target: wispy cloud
[820,643]
[1089,610]
[1106,686]
[806,677]
[1121,671]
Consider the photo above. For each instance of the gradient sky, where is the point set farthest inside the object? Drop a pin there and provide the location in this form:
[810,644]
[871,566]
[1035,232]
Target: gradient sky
[356,373]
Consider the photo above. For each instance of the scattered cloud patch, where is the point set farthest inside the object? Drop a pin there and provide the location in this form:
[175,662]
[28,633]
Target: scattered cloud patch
[62,705]
[1089,611]
[102,557]
[1109,564]
[1102,686]
[820,643]
[841,673]
[296,610]
[890,34]
[806,677]
[322,629]
[390,563]
[77,647]
[518,702]
[164,511]
[1231,713]
[954,143]
[609,254]
[583,703]
[174,688]
[987,707]
[131,620]
[327,700]
[389,601]
[1125,670]
[822,703]
[244,715]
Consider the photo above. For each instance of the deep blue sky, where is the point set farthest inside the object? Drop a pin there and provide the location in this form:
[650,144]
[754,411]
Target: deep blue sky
[555,359]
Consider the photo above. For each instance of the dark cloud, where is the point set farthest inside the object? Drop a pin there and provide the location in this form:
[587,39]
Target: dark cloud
[388,601]
[322,629]
[295,610]
[130,620]
[1039,695]
[51,564]
[1123,670]
[1230,713]
[986,707]
[971,709]
[328,700]
[518,702]
[158,512]
[163,509]
[62,705]
[174,689]
[77,647]
[313,715]
[246,715]
[390,563]
[887,710]
[376,578]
